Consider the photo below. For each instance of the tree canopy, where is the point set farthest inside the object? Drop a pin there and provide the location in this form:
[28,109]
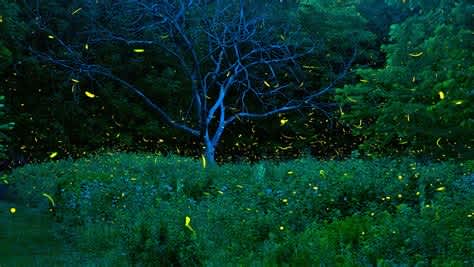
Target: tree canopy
[409,55]
[421,100]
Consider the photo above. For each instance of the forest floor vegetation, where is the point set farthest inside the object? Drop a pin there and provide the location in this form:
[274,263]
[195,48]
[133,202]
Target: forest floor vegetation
[126,209]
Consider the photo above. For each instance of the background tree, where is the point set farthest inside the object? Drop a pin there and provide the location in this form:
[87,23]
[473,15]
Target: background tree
[229,58]
[4,126]
[51,112]
[339,27]
[421,102]
[10,35]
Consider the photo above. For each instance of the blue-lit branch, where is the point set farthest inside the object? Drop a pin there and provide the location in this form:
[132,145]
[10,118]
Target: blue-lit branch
[238,65]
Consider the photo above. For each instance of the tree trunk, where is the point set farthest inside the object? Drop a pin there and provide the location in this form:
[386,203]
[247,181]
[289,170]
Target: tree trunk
[209,153]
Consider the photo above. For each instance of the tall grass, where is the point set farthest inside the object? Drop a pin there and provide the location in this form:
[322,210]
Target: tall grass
[132,209]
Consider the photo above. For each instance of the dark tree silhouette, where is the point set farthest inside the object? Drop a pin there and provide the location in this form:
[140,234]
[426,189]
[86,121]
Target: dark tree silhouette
[238,64]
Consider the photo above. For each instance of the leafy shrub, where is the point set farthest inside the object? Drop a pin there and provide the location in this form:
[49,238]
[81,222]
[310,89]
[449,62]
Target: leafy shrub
[305,212]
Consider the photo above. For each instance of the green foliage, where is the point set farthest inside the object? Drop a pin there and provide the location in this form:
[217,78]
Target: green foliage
[336,29]
[5,56]
[4,126]
[10,33]
[29,239]
[337,24]
[303,212]
[421,101]
[339,30]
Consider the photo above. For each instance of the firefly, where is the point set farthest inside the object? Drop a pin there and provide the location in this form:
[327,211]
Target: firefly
[416,54]
[76,11]
[441,94]
[89,94]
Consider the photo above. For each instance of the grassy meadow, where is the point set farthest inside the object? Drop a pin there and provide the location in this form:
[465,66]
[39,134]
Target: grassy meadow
[125,209]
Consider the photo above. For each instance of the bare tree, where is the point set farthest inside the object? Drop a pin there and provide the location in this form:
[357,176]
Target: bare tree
[238,64]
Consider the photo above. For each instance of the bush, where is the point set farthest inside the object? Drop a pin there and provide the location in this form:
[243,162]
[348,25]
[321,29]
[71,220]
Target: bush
[305,212]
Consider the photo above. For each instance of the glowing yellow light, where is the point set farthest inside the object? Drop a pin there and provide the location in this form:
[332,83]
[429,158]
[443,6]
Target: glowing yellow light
[52,155]
[138,50]
[89,94]
[49,198]
[266,83]
[290,172]
[416,54]
[315,188]
[283,122]
[86,46]
[1,19]
[284,200]
[400,177]
[50,37]
[441,94]
[352,99]
[203,161]
[76,11]
[282,228]
[12,210]
[187,223]
[459,102]
[322,173]
[364,81]
[399,195]
[75,81]
[417,193]
[442,188]
[359,126]
[437,142]
[372,214]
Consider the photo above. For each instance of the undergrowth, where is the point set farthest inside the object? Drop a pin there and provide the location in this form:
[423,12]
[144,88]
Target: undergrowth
[132,209]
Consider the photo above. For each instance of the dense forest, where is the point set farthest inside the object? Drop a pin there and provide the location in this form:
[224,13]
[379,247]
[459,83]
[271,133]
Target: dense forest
[391,77]
[388,83]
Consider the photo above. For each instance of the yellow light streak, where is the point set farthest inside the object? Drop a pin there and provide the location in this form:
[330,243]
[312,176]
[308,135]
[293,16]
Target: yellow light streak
[76,11]
[416,54]
[89,94]
[50,199]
